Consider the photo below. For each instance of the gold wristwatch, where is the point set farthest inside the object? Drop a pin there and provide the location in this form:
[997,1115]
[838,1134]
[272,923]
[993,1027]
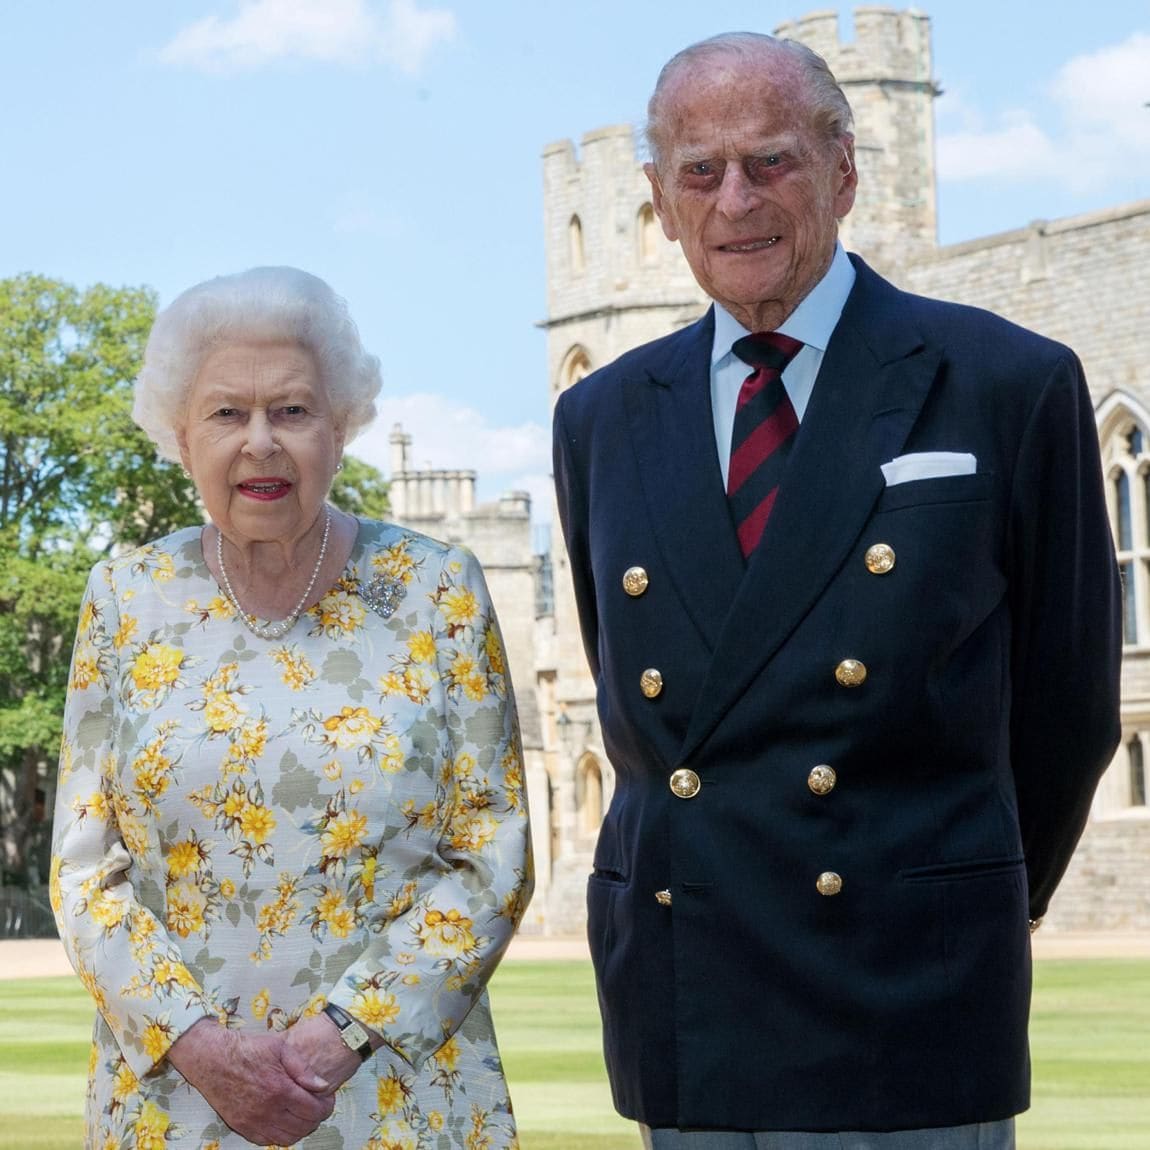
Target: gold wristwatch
[354,1036]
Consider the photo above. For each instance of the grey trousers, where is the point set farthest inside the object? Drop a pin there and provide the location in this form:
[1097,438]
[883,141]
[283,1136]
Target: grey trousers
[980,1136]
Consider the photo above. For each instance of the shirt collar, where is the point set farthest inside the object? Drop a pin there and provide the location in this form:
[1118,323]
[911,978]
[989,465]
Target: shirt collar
[812,322]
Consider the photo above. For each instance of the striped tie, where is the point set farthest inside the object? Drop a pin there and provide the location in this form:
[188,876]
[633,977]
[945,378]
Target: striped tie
[765,426]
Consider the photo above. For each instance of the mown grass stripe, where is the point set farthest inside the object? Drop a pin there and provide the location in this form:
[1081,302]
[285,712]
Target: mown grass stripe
[1088,1039]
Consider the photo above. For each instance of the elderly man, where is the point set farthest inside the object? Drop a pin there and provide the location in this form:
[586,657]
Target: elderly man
[848,593]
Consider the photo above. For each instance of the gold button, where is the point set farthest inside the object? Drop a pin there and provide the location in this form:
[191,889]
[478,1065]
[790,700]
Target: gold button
[879,559]
[822,779]
[851,673]
[651,683]
[635,581]
[829,883]
[685,783]
[663,897]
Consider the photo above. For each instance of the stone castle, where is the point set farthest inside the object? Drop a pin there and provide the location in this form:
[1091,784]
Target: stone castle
[614,282]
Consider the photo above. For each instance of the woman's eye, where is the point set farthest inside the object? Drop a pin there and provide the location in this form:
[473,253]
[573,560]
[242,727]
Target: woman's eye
[293,410]
[225,412]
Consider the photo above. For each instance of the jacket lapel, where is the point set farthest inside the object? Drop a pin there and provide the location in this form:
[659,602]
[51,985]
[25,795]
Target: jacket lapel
[871,386]
[672,432]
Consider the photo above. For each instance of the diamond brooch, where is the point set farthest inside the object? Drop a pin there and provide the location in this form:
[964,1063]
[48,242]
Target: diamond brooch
[383,595]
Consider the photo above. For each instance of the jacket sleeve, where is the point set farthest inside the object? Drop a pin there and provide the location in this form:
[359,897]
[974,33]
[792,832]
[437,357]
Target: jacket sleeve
[439,941]
[118,946]
[1067,640]
[574,516]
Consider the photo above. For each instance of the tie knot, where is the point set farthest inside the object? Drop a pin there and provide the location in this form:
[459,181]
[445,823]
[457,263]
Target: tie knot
[767,349]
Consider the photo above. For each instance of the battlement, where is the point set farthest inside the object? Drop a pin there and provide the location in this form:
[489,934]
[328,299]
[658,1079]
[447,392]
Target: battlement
[421,495]
[888,45]
[606,252]
[560,160]
[886,73]
[418,495]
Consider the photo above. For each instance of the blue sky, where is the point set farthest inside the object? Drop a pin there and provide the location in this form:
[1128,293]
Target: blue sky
[392,146]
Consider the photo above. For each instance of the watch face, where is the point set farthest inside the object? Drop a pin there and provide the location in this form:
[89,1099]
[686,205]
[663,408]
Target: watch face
[355,1036]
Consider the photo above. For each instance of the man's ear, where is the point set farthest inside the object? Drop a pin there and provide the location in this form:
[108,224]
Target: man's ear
[848,179]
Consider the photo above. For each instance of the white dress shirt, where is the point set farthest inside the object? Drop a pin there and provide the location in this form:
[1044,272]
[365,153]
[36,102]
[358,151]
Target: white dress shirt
[812,322]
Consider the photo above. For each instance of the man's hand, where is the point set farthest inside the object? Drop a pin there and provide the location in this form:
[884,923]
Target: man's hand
[316,1057]
[247,1081]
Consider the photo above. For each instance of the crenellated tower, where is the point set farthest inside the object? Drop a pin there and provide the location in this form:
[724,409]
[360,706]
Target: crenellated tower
[885,72]
[613,280]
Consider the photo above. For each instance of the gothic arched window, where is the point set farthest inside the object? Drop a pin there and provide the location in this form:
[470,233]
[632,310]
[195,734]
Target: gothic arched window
[1127,463]
[589,792]
[576,364]
[1137,761]
[575,244]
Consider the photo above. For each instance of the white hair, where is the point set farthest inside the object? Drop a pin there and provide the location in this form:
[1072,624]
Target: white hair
[824,98]
[274,304]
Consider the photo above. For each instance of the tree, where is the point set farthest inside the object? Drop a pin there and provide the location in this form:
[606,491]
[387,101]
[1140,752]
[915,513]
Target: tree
[77,477]
[359,489]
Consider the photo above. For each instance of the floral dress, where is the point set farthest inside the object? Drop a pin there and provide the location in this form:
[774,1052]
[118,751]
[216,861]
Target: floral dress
[249,828]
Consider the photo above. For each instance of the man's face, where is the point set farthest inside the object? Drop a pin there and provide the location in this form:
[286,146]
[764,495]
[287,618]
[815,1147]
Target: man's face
[748,188]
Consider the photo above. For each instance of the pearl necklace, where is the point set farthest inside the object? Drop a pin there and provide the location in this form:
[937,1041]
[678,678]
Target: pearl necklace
[278,629]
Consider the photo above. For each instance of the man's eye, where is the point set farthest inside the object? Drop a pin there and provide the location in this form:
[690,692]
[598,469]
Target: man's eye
[701,174]
[225,412]
[759,169]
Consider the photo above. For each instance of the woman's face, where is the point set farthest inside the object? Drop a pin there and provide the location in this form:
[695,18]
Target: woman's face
[260,441]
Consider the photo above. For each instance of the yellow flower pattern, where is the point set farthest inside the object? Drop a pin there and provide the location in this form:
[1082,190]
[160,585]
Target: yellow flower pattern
[239,822]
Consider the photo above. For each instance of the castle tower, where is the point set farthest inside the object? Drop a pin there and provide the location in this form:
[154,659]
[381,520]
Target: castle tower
[613,280]
[886,75]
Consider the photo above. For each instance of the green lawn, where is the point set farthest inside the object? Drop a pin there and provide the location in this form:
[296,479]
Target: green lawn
[1090,1039]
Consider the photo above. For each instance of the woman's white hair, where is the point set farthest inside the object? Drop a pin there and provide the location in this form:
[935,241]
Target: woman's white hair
[273,304]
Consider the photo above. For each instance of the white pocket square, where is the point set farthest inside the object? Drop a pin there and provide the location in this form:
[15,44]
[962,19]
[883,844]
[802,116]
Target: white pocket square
[928,465]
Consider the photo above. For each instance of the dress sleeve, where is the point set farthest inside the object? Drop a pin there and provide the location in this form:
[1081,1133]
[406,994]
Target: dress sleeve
[446,930]
[119,948]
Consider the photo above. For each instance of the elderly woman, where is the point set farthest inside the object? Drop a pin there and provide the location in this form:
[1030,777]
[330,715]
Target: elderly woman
[291,835]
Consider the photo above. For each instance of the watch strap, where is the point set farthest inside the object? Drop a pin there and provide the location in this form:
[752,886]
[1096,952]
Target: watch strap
[351,1030]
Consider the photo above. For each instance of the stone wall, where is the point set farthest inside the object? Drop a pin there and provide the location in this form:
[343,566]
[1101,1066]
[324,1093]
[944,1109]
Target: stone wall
[1083,280]
[1107,886]
[885,72]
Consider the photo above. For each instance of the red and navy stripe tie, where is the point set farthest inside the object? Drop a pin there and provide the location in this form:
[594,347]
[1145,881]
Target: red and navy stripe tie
[765,426]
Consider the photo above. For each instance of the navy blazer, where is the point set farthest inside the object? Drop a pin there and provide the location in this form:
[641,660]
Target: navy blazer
[965,763]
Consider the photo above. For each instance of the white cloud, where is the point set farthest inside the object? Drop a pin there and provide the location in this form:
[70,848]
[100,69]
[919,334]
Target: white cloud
[412,32]
[328,31]
[453,436]
[1099,127]
[1016,150]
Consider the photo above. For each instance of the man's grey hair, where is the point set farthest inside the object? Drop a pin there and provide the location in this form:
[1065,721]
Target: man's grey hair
[828,105]
[269,304]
